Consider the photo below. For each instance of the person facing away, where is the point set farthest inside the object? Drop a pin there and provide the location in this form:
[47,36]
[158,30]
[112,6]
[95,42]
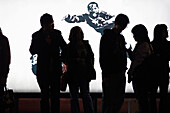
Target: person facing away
[161,46]
[47,43]
[141,51]
[5,60]
[113,62]
[79,56]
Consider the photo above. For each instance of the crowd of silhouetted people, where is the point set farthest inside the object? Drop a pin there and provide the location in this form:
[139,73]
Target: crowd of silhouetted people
[52,50]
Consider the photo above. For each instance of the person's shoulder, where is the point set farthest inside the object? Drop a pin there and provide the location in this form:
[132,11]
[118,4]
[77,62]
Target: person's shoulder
[57,32]
[36,33]
[3,37]
[85,15]
[107,31]
[144,44]
[86,41]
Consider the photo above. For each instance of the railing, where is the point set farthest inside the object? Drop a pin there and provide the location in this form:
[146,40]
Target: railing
[94,96]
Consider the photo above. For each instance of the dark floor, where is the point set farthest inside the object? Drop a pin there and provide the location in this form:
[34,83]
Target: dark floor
[32,105]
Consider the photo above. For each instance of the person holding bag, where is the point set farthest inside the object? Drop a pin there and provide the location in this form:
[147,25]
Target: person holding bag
[79,57]
[139,79]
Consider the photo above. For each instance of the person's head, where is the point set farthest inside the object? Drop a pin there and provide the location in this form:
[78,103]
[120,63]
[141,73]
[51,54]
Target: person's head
[160,32]
[76,34]
[47,22]
[140,33]
[121,22]
[93,7]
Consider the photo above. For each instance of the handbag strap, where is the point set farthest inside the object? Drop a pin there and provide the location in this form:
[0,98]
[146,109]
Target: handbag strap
[5,87]
[151,48]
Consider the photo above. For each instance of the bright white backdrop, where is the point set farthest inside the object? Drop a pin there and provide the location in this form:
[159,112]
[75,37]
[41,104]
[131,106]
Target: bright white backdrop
[20,18]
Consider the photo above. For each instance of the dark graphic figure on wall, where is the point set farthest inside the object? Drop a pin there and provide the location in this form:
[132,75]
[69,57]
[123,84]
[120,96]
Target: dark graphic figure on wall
[34,63]
[99,20]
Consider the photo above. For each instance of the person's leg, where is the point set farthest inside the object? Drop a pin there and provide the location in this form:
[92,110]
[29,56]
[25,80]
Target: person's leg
[87,100]
[44,87]
[142,96]
[55,94]
[2,109]
[113,93]
[163,105]
[152,100]
[73,87]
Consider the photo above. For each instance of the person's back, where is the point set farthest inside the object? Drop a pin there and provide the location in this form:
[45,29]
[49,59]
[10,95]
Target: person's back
[110,61]
[161,46]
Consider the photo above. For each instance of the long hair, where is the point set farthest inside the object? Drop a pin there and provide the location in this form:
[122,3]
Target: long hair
[74,37]
[141,32]
[158,30]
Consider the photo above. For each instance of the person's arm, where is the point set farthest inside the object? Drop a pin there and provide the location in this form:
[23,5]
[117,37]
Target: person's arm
[107,54]
[74,19]
[6,56]
[141,53]
[62,45]
[129,51]
[35,46]
[109,19]
[90,53]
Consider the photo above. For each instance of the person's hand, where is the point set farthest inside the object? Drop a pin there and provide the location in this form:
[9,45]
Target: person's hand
[67,18]
[130,76]
[3,80]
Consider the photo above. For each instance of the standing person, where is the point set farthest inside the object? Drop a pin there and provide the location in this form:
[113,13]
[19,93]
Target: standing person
[47,44]
[5,60]
[113,62]
[161,46]
[139,79]
[79,58]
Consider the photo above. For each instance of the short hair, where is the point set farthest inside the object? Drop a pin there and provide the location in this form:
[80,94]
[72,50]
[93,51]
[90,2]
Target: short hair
[122,20]
[88,7]
[46,19]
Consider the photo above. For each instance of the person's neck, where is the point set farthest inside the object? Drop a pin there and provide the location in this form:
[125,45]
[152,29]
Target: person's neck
[115,30]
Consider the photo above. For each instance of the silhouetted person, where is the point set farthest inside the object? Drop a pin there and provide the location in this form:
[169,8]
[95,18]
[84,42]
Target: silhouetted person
[5,60]
[47,44]
[99,20]
[113,63]
[139,79]
[79,57]
[161,46]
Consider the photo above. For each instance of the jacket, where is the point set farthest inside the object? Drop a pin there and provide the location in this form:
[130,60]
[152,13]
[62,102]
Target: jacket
[49,58]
